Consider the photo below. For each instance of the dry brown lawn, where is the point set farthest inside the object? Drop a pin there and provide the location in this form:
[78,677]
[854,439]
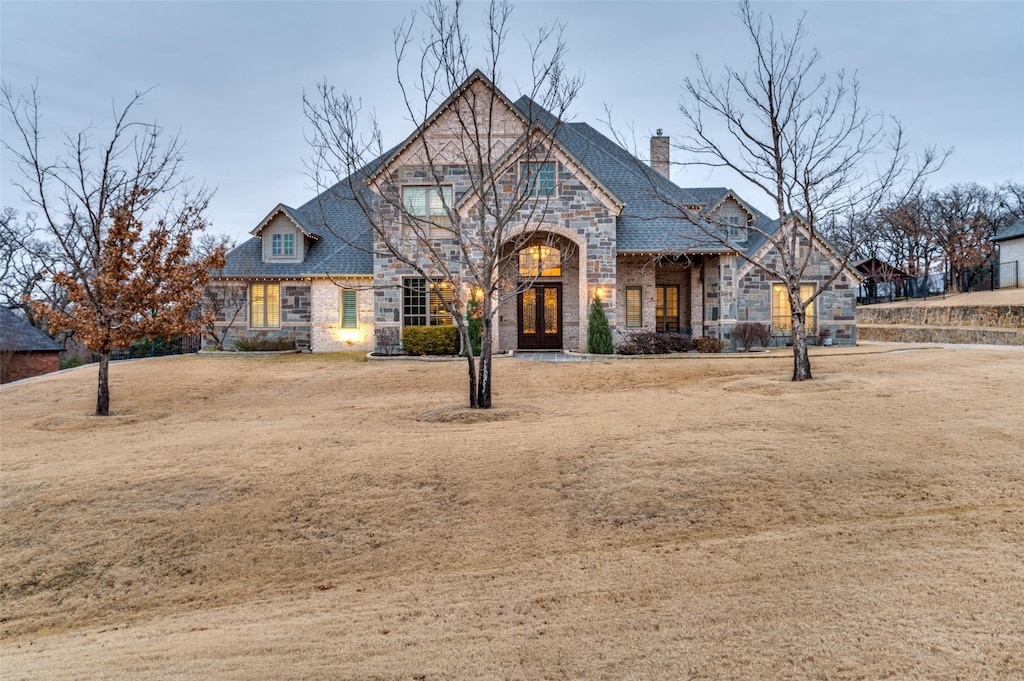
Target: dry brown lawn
[321,517]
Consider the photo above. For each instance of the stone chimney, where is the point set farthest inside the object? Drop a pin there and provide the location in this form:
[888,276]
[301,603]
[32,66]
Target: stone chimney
[660,153]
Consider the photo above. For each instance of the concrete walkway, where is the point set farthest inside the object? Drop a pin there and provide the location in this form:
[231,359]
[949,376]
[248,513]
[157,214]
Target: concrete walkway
[554,356]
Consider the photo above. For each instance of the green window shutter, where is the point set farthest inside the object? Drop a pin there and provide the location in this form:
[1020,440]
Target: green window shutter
[348,309]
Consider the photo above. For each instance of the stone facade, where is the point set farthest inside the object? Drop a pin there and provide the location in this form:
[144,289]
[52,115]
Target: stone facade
[575,219]
[295,315]
[835,307]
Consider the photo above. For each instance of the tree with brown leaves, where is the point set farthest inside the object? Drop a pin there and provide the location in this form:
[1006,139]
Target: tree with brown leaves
[145,284]
[120,218]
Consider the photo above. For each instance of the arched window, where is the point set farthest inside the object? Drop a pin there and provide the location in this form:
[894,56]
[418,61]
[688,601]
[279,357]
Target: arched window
[540,261]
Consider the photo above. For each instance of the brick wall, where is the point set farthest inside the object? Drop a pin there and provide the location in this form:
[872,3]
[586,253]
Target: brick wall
[327,334]
[15,366]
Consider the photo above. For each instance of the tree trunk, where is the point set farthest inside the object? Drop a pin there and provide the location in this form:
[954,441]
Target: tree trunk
[473,382]
[801,362]
[103,388]
[484,378]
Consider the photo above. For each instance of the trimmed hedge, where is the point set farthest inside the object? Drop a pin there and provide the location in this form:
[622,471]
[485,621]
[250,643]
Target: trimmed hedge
[430,340]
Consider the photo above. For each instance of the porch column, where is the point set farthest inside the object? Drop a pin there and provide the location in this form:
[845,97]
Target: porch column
[697,300]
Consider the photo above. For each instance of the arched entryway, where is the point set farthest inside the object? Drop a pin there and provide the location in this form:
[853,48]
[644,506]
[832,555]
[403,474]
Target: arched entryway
[539,307]
[546,311]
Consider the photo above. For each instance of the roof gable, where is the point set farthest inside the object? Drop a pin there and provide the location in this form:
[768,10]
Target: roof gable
[296,218]
[560,153]
[476,85]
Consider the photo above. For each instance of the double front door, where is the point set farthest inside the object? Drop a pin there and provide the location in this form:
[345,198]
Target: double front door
[540,317]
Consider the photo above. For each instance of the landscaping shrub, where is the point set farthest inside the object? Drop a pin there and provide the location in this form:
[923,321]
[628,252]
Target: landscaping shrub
[652,343]
[258,344]
[389,340]
[599,334]
[748,333]
[72,361]
[430,340]
[709,344]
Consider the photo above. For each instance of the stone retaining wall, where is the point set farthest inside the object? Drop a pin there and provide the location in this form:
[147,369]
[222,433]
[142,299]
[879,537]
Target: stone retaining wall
[940,334]
[999,316]
[974,324]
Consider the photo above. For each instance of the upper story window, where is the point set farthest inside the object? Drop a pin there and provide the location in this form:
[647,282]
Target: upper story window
[540,261]
[282,245]
[426,209]
[538,178]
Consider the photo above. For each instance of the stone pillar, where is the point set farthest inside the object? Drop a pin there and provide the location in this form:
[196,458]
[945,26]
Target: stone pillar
[697,300]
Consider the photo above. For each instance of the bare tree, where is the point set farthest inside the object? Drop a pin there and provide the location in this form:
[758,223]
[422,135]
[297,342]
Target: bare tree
[483,193]
[805,140]
[26,256]
[121,218]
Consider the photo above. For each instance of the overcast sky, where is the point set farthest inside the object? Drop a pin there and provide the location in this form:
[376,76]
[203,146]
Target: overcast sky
[230,75]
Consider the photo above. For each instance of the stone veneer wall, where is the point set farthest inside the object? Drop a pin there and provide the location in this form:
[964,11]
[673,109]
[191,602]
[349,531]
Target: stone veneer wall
[296,308]
[835,308]
[327,334]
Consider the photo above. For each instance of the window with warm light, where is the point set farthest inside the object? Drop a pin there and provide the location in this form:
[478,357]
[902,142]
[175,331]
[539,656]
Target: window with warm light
[634,307]
[538,179]
[782,315]
[349,316]
[265,306]
[424,305]
[666,308]
[427,207]
[540,261]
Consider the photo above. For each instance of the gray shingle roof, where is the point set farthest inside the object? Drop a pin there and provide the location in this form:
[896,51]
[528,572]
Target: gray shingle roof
[344,247]
[1014,231]
[18,335]
[647,224]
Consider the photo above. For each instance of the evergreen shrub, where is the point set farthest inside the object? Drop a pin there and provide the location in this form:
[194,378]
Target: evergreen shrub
[430,340]
[599,334]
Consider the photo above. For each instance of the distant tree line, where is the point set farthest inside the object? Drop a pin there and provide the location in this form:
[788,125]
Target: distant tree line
[935,231]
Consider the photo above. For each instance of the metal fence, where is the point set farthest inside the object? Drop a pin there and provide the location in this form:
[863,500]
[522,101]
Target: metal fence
[942,284]
[157,347]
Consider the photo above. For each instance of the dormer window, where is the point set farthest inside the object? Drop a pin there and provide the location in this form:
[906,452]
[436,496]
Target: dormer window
[282,245]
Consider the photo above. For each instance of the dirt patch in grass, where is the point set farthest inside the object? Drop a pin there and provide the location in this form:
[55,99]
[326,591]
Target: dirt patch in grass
[312,517]
[463,414]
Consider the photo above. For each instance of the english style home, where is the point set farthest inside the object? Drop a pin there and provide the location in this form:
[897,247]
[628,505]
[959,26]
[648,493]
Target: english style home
[316,274]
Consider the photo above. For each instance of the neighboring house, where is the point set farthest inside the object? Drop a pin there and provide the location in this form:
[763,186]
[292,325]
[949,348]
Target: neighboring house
[1010,240]
[311,274]
[25,351]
